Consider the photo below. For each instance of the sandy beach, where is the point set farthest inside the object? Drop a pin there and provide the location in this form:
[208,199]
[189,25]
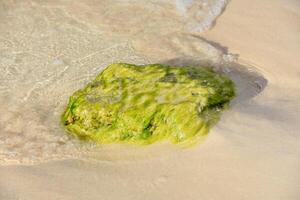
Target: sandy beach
[252,153]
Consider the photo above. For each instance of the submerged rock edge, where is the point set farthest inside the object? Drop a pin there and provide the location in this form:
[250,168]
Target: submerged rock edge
[143,104]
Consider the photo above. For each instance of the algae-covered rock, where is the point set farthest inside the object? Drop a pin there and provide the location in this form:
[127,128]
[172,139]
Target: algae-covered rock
[144,104]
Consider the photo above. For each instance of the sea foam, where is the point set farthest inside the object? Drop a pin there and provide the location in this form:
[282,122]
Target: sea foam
[200,14]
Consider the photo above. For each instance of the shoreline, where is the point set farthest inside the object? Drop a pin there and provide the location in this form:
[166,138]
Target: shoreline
[252,153]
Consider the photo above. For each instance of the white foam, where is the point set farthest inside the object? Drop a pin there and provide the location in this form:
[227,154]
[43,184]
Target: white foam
[182,5]
[200,14]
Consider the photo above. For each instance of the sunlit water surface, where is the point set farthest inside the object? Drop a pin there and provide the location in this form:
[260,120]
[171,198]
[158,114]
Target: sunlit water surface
[49,49]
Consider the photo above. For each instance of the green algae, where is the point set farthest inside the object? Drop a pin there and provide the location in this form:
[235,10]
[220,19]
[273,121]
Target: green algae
[143,104]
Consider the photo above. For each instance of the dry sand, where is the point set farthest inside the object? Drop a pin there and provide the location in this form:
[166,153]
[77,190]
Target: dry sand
[253,152]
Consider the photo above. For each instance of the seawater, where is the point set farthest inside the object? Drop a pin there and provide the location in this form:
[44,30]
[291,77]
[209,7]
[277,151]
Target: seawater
[49,49]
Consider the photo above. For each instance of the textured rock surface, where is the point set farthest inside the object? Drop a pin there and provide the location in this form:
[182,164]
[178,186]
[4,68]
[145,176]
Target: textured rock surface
[143,104]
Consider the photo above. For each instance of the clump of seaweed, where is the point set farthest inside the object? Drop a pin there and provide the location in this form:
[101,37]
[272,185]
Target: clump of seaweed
[143,104]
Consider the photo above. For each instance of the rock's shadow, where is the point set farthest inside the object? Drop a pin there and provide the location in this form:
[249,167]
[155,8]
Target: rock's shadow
[249,82]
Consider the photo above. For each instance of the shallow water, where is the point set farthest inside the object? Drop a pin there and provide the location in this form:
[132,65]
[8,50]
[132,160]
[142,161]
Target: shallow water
[52,48]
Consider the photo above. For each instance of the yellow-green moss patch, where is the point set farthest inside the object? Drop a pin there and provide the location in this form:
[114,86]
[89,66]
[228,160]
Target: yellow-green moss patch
[144,104]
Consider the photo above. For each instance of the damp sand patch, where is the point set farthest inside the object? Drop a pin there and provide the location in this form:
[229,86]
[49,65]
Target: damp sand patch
[143,104]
